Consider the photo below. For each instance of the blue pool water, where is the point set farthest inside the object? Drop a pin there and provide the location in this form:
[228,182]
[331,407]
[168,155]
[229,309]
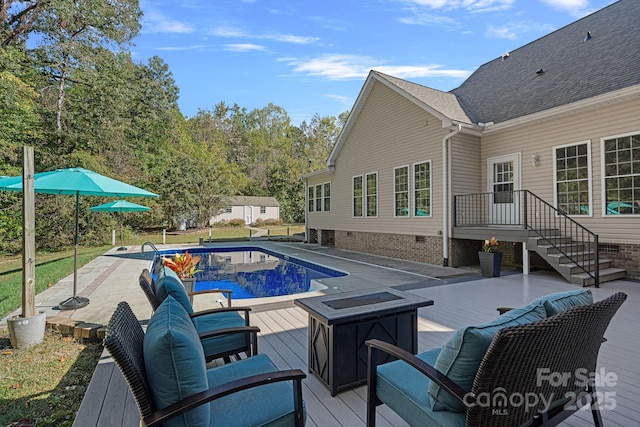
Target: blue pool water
[255,272]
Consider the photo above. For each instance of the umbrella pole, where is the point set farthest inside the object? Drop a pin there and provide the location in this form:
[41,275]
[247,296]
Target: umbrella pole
[75,302]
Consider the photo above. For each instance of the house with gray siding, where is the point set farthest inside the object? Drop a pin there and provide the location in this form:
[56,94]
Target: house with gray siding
[539,147]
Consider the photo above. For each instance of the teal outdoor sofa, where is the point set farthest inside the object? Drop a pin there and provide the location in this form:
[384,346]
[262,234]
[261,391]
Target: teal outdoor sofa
[166,372]
[499,373]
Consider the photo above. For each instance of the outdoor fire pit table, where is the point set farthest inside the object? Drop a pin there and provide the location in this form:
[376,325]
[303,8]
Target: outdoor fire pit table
[339,325]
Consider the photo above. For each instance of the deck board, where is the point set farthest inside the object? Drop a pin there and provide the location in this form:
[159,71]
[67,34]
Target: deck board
[283,337]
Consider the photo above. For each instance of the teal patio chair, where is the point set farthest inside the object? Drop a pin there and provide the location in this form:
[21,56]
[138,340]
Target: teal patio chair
[167,375]
[234,334]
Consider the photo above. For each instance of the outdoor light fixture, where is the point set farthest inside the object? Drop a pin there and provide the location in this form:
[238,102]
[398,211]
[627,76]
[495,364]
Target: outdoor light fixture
[535,160]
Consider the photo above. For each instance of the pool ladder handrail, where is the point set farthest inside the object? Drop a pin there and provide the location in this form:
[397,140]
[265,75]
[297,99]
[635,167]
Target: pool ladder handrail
[149,244]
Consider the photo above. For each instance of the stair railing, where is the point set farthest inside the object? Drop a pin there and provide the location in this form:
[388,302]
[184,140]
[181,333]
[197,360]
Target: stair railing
[524,209]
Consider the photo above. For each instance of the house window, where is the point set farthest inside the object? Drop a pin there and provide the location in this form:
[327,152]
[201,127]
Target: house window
[327,196]
[422,189]
[622,175]
[573,176]
[263,209]
[319,198]
[401,190]
[357,195]
[311,198]
[372,194]
[228,209]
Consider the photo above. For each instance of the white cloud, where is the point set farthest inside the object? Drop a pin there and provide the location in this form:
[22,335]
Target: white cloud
[233,32]
[243,47]
[345,67]
[179,48]
[470,5]
[156,22]
[576,8]
[514,30]
[422,18]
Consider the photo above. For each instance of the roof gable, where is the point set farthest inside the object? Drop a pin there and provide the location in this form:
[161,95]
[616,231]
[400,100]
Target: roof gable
[253,201]
[443,105]
[575,67]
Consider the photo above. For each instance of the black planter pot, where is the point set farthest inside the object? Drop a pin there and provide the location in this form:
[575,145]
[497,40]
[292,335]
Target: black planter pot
[490,263]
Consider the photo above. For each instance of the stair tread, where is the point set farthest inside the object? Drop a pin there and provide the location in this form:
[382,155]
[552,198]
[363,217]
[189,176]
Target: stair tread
[604,272]
[590,262]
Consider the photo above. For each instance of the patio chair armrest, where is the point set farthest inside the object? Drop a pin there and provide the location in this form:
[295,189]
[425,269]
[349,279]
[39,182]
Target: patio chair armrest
[251,333]
[228,292]
[188,403]
[424,368]
[245,310]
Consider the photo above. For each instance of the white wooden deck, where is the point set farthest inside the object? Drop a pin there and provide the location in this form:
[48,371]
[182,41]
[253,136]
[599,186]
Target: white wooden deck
[284,339]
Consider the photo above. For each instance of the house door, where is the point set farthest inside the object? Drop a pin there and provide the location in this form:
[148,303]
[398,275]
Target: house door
[504,186]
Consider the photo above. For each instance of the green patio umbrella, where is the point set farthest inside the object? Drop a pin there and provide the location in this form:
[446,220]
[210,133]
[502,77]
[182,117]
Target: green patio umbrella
[77,182]
[120,206]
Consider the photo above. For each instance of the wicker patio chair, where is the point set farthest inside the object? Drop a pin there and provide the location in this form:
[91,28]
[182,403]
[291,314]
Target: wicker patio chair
[517,363]
[125,341]
[235,334]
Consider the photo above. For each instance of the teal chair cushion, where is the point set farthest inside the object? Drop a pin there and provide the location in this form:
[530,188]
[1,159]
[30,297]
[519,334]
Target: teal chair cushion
[223,343]
[402,388]
[461,356]
[560,301]
[174,362]
[268,405]
[170,284]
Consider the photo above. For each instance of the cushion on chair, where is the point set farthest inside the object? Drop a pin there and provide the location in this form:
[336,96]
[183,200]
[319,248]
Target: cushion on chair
[402,388]
[223,343]
[174,362]
[461,356]
[268,405]
[170,284]
[560,301]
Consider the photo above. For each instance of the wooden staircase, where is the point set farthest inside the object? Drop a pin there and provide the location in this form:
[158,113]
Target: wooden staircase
[559,251]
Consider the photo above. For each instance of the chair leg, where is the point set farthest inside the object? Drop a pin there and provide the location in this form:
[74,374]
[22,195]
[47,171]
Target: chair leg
[595,410]
[371,387]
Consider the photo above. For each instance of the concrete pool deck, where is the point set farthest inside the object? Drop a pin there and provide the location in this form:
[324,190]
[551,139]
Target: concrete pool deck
[113,277]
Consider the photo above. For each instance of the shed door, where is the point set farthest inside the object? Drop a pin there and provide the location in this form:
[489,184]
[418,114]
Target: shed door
[504,186]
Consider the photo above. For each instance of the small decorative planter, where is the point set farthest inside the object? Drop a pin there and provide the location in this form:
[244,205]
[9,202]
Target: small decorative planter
[189,285]
[26,331]
[490,263]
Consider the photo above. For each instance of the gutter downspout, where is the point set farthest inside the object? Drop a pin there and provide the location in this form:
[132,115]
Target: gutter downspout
[445,194]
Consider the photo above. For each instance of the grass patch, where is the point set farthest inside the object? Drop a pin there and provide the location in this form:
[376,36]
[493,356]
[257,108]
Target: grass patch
[50,268]
[45,383]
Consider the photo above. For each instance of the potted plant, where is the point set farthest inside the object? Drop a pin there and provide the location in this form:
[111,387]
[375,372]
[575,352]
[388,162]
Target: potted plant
[490,258]
[186,266]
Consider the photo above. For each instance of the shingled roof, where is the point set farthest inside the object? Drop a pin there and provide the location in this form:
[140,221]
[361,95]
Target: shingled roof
[560,68]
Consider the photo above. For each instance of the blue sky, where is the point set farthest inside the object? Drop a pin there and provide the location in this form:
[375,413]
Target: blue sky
[313,56]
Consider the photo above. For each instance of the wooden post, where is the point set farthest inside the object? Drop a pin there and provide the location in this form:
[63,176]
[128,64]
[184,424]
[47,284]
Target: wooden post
[28,236]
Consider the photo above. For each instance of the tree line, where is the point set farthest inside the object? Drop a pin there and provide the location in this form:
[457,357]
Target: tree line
[70,88]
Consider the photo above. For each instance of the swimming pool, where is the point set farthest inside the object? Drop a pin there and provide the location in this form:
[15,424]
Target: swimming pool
[252,272]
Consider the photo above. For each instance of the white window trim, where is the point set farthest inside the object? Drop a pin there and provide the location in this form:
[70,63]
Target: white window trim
[590,179]
[361,197]
[603,195]
[365,206]
[311,201]
[408,167]
[321,187]
[324,197]
[413,189]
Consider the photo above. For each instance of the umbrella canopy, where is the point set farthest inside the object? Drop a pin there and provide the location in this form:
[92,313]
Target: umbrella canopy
[76,181]
[119,206]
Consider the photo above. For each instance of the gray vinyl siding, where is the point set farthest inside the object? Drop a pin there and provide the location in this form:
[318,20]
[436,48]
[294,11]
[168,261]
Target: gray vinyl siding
[390,131]
[541,137]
